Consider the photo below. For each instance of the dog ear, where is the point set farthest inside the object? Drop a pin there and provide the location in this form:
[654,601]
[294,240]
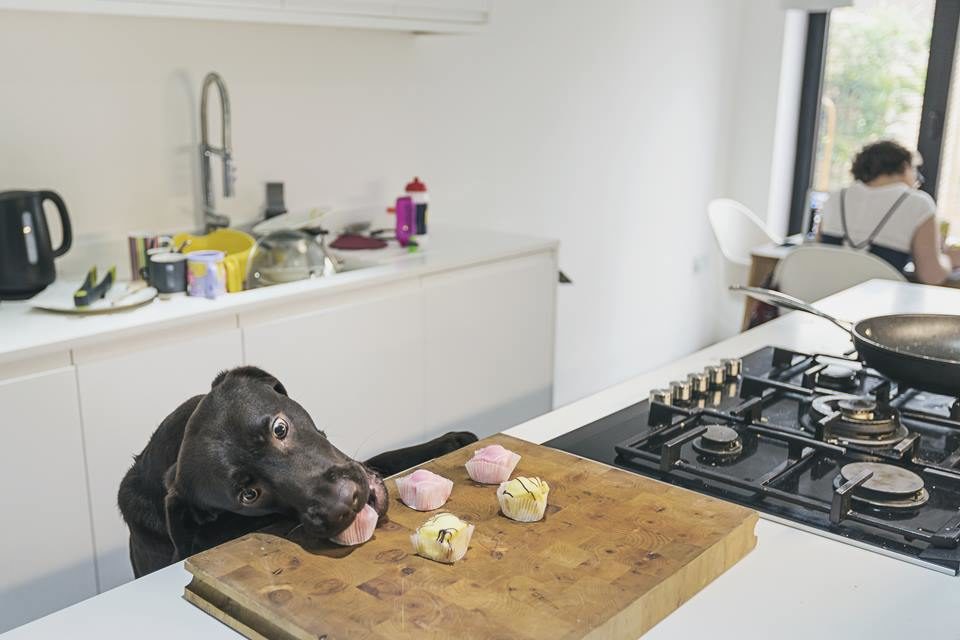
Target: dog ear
[179,527]
[183,518]
[255,373]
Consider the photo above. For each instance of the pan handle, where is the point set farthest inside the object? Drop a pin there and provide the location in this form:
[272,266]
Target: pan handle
[779,299]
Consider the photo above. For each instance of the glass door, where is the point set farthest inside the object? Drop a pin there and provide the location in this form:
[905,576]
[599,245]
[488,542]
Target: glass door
[880,69]
[873,83]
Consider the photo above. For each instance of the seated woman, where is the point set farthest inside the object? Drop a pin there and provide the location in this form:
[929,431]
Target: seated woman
[885,213]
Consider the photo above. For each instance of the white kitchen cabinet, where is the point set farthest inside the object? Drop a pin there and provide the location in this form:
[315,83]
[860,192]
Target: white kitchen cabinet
[354,363]
[342,7]
[434,16]
[126,392]
[46,555]
[488,344]
[466,11]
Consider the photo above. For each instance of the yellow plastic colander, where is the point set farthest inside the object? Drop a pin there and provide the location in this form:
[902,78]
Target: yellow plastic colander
[237,246]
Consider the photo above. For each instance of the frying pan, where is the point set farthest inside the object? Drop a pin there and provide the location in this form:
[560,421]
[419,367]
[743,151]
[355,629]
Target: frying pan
[919,350]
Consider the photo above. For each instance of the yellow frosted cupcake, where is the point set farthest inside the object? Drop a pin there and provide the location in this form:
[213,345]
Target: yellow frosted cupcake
[443,538]
[523,499]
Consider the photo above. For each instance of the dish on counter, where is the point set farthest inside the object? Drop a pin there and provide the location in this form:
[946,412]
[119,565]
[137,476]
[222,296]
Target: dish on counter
[58,297]
[285,256]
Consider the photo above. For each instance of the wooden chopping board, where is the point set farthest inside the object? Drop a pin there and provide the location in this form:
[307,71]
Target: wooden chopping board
[614,555]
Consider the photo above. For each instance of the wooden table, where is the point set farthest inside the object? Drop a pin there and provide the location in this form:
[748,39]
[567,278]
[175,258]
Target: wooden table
[763,260]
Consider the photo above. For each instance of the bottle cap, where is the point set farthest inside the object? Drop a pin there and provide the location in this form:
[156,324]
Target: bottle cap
[416,185]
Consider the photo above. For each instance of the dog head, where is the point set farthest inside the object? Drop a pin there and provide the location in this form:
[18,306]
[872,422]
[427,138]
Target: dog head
[249,449]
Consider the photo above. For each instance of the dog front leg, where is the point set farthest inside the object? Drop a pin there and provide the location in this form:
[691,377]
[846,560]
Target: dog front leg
[391,462]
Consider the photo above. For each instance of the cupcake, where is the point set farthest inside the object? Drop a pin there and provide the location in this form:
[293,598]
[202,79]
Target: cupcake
[523,499]
[360,530]
[424,490]
[443,538]
[492,464]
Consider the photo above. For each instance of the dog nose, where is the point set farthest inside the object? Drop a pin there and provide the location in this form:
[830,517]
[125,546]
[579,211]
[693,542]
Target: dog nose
[354,498]
[351,494]
[326,518]
[336,507]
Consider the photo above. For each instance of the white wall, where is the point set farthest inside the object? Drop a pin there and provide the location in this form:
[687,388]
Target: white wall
[767,105]
[763,131]
[607,125]
[105,110]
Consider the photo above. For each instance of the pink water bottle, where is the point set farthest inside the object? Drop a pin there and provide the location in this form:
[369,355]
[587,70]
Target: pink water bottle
[406,220]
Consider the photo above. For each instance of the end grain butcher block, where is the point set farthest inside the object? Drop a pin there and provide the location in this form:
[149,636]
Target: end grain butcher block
[615,554]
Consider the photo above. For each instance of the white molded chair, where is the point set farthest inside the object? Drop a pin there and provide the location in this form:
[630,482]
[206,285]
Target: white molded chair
[812,272]
[737,230]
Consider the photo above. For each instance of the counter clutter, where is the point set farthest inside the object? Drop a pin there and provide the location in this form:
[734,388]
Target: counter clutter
[288,247]
[791,570]
[452,248]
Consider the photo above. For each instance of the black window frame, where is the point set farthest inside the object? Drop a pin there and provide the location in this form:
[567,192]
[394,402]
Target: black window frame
[811,91]
[943,41]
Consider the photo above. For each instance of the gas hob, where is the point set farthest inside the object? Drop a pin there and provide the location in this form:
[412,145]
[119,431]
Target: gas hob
[814,441]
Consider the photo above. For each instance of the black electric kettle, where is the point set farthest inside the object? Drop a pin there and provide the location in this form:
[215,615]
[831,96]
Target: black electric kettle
[26,255]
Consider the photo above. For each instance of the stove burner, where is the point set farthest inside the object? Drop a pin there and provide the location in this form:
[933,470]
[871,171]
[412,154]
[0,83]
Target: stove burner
[862,421]
[838,377]
[859,409]
[797,449]
[890,488]
[719,442]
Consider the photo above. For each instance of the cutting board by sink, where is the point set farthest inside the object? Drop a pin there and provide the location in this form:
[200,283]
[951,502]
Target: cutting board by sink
[615,554]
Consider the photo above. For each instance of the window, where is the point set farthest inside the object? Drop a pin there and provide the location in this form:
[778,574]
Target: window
[880,69]
[875,71]
[948,185]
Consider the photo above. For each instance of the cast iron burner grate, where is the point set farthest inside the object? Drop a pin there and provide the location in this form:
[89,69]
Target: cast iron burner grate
[864,461]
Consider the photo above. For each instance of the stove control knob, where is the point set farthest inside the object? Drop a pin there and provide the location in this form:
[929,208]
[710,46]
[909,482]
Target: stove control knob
[716,374]
[680,392]
[663,396]
[699,383]
[732,367]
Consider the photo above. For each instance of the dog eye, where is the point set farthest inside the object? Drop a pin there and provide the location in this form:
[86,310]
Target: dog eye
[248,496]
[280,428]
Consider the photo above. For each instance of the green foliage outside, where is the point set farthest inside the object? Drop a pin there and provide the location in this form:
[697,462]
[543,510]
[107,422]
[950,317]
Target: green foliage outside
[875,73]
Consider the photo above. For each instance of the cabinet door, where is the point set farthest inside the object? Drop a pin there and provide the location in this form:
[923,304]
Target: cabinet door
[125,395]
[354,364]
[488,345]
[47,551]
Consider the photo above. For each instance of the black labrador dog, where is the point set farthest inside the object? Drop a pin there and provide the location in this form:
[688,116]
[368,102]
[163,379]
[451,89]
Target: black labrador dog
[244,456]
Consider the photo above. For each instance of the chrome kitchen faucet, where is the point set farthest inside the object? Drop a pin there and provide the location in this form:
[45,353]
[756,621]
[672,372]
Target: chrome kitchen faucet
[212,219]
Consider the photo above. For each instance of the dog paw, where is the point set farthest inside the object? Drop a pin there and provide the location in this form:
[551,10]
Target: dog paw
[453,440]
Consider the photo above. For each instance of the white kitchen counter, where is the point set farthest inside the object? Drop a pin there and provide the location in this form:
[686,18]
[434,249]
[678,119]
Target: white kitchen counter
[795,584]
[26,332]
